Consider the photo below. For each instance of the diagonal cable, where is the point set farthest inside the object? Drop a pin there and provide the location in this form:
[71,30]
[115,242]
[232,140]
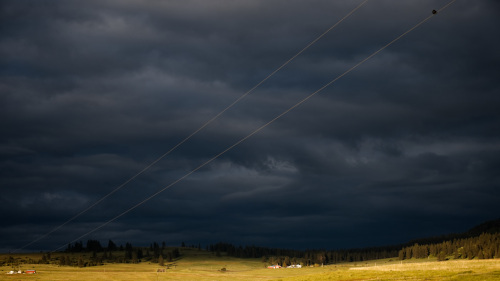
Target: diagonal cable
[258,129]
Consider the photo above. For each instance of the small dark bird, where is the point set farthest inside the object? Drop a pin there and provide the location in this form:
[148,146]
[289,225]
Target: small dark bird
[434,12]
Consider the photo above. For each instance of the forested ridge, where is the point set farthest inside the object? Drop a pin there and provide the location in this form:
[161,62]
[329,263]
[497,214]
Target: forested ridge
[484,246]
[482,242]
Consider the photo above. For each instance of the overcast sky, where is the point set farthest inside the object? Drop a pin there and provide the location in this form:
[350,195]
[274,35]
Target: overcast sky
[91,92]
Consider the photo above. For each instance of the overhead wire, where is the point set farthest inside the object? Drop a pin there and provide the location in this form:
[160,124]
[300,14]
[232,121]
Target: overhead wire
[197,130]
[261,127]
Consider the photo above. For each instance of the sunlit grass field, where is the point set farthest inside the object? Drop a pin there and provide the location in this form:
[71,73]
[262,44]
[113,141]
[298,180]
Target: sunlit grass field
[202,265]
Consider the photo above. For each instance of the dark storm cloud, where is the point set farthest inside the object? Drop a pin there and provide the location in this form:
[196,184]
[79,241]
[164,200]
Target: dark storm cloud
[92,92]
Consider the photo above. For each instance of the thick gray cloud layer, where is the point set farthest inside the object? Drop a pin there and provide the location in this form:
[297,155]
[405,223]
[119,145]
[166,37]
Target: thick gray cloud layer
[405,146]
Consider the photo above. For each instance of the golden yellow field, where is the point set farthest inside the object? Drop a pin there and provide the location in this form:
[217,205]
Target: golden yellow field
[204,266]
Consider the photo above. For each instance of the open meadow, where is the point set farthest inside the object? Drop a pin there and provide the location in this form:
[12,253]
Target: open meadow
[202,265]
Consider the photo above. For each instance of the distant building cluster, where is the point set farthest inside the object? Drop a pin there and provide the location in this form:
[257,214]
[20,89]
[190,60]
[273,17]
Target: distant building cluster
[290,266]
[29,271]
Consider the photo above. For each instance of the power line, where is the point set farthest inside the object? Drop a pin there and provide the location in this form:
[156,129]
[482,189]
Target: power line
[261,127]
[197,130]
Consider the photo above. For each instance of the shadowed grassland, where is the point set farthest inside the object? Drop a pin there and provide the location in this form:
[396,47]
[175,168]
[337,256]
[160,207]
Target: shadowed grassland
[202,265]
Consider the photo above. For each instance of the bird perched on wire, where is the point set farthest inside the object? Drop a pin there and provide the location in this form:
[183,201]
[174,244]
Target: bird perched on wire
[434,12]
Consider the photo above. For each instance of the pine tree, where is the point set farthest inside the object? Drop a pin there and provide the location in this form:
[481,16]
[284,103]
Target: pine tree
[111,246]
[480,254]
[441,256]
[401,255]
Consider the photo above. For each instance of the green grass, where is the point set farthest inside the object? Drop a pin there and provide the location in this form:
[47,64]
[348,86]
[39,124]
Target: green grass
[202,265]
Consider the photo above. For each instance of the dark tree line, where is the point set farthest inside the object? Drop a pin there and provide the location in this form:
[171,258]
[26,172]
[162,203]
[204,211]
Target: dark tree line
[285,257]
[115,254]
[91,246]
[251,251]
